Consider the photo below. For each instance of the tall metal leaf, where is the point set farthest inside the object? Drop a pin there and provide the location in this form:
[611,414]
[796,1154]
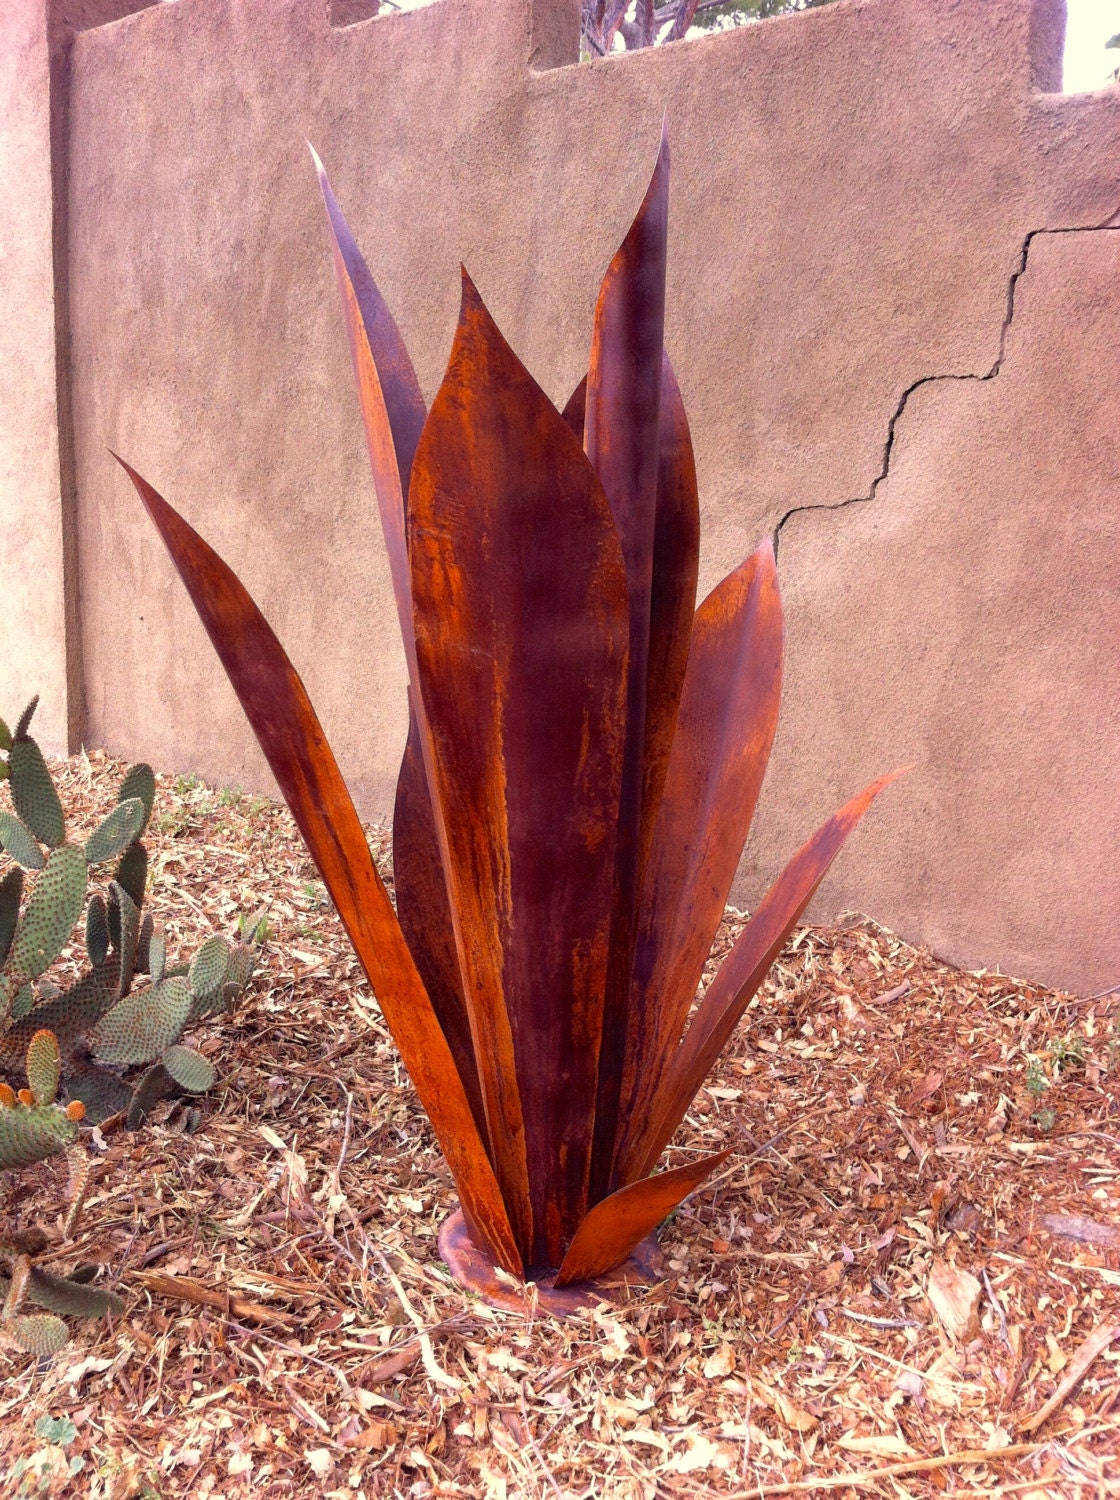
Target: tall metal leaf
[520,601]
[280,712]
[725,728]
[425,913]
[742,971]
[621,438]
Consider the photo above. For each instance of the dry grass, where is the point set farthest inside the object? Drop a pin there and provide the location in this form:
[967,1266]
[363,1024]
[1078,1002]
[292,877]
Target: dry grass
[892,1119]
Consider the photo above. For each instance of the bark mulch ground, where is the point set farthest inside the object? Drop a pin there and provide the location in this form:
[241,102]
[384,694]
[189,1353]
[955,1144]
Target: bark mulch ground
[907,1279]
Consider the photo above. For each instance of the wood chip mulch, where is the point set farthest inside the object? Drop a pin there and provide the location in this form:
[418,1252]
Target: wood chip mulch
[906,1280]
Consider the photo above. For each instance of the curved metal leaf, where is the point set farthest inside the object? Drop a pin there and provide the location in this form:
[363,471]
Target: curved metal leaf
[280,712]
[392,402]
[425,915]
[728,715]
[520,604]
[614,1226]
[676,563]
[621,440]
[743,970]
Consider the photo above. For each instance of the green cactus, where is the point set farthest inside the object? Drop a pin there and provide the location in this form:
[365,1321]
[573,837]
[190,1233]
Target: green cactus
[41,1334]
[189,1069]
[21,1005]
[19,842]
[44,1066]
[101,1091]
[32,1132]
[102,1024]
[139,781]
[69,1015]
[33,791]
[32,1126]
[132,872]
[142,1025]
[154,1085]
[64,1294]
[97,929]
[157,957]
[11,892]
[50,914]
[124,930]
[116,832]
[208,969]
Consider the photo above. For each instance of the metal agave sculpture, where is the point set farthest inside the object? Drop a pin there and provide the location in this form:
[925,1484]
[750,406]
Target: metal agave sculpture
[584,755]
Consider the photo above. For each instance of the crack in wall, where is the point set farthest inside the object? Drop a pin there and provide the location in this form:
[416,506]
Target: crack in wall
[1110,224]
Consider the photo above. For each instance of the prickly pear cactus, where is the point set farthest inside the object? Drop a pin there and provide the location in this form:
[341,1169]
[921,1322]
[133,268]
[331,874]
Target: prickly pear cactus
[32,1127]
[105,1022]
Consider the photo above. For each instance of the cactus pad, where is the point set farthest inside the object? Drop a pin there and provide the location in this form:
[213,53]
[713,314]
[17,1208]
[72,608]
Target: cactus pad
[139,782]
[144,944]
[50,914]
[97,930]
[59,1294]
[157,956]
[5,736]
[208,968]
[19,842]
[33,793]
[30,1133]
[132,872]
[70,1014]
[44,1066]
[23,724]
[99,1090]
[141,1026]
[189,1069]
[155,1085]
[41,1334]
[116,832]
[127,931]
[21,1005]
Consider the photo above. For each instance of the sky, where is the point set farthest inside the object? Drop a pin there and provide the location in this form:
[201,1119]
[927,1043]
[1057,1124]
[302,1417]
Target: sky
[1089,24]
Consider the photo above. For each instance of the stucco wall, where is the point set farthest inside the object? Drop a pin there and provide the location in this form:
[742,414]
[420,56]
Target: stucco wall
[887,357]
[33,626]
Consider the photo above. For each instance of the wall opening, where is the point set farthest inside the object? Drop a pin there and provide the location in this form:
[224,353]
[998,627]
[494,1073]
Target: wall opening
[354,12]
[1091,56]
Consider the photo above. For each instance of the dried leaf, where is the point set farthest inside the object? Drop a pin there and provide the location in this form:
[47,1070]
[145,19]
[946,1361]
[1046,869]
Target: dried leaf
[955,1297]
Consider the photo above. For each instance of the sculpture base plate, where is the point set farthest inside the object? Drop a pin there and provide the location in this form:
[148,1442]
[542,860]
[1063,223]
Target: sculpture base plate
[472,1268]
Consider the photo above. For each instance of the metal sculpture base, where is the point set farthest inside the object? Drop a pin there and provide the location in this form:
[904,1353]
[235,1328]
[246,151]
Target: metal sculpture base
[473,1269]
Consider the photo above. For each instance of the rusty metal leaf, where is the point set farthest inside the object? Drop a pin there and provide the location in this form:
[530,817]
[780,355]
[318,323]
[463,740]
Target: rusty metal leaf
[725,729]
[621,439]
[425,913]
[285,723]
[520,608]
[616,1224]
[742,971]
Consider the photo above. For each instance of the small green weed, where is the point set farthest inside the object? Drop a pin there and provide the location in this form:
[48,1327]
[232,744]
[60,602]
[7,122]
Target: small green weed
[1036,1082]
[1069,1052]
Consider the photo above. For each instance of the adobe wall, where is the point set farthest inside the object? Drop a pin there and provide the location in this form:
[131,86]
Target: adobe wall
[33,624]
[855,193]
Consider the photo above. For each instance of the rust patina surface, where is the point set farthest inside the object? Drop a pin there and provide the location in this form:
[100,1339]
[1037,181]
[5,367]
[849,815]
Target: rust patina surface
[584,758]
